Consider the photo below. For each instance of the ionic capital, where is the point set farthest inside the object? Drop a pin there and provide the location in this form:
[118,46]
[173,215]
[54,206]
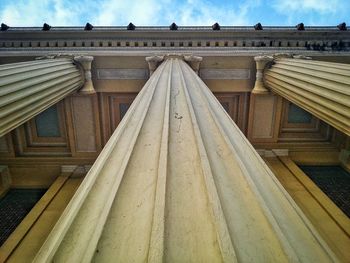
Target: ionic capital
[261,63]
[85,64]
[194,62]
[153,63]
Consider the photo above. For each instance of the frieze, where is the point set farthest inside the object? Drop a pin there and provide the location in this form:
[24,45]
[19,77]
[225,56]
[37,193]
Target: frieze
[110,74]
[224,73]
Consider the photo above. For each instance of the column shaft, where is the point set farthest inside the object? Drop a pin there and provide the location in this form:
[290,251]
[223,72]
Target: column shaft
[28,88]
[322,88]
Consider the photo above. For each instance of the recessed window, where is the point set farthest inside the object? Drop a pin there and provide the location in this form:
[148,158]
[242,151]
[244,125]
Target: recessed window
[47,123]
[298,115]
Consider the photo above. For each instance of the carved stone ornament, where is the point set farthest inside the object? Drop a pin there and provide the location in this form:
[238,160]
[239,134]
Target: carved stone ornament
[85,63]
[194,62]
[261,62]
[153,63]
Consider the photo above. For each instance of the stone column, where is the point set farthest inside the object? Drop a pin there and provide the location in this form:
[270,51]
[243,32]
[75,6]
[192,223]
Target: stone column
[28,88]
[319,87]
[179,182]
[261,62]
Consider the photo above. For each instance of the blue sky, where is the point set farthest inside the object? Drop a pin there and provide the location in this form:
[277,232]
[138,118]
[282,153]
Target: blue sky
[183,12]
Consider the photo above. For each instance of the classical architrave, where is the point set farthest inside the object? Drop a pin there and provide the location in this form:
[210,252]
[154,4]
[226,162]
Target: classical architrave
[28,88]
[322,88]
[174,183]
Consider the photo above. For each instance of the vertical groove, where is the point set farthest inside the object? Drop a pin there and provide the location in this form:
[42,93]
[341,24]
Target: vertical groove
[224,239]
[238,247]
[156,247]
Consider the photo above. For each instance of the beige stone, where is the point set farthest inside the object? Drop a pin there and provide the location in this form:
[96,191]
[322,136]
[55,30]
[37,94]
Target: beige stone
[28,88]
[179,182]
[322,88]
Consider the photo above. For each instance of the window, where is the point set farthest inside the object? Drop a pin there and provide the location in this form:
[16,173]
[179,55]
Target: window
[47,123]
[298,115]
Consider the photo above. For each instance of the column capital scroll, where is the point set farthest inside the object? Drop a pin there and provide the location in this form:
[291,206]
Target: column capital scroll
[153,63]
[85,63]
[194,62]
[261,63]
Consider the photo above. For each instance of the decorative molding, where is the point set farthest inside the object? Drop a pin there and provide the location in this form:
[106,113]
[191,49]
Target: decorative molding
[316,38]
[210,73]
[110,74]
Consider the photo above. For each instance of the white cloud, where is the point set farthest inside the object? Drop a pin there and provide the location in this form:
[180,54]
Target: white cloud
[164,12]
[116,12]
[121,12]
[35,13]
[319,6]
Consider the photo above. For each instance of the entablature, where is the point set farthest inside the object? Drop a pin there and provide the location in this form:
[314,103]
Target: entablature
[201,39]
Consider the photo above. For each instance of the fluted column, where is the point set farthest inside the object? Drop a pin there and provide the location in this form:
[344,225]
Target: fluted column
[179,182]
[28,88]
[321,88]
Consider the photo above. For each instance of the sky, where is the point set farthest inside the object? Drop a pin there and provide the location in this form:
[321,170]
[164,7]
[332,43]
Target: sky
[182,12]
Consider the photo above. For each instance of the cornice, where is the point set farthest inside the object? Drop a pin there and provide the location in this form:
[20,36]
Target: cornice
[142,52]
[192,38]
